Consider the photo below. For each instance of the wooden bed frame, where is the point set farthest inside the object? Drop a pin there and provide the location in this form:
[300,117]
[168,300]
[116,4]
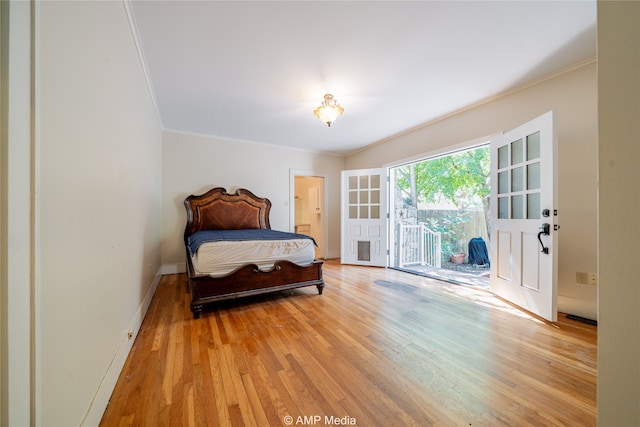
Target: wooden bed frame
[219,210]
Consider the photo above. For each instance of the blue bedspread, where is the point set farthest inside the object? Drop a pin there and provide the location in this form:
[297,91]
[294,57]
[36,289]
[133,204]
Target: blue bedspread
[199,237]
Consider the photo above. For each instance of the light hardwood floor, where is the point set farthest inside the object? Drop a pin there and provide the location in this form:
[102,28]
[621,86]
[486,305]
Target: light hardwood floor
[378,348]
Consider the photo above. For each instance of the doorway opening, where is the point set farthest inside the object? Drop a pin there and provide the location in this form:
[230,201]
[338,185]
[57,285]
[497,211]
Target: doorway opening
[308,215]
[440,216]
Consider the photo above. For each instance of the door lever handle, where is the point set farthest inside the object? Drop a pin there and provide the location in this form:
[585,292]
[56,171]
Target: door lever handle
[546,230]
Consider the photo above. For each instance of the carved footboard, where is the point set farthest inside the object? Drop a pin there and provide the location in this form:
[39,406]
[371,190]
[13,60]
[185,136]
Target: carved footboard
[250,280]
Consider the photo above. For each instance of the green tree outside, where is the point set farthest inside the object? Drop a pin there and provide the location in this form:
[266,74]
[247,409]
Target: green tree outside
[461,179]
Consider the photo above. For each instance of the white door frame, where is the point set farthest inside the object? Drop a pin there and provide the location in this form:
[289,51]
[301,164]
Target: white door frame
[467,145]
[293,173]
[19,329]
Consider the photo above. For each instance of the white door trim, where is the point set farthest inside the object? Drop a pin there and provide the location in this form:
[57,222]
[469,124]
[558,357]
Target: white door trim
[20,319]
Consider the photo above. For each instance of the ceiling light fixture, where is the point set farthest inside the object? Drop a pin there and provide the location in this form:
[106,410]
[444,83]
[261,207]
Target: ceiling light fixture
[329,110]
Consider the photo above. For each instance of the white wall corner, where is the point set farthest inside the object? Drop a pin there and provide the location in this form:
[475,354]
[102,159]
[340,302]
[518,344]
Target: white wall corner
[173,268]
[143,61]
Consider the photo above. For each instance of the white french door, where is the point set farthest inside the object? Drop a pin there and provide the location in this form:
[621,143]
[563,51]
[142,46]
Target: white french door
[364,217]
[524,241]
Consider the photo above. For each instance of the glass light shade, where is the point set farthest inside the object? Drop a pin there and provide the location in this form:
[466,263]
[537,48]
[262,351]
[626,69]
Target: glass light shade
[329,110]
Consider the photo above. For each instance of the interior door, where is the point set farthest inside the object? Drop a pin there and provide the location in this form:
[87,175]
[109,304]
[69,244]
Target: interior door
[524,241]
[364,217]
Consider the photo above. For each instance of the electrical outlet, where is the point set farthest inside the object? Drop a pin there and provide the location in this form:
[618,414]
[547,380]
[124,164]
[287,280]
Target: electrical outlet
[582,278]
[593,279]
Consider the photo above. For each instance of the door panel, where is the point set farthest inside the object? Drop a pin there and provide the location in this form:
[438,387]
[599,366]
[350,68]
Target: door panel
[530,268]
[364,217]
[524,259]
[504,255]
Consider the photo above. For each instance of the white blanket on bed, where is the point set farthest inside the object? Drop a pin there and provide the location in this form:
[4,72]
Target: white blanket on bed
[217,259]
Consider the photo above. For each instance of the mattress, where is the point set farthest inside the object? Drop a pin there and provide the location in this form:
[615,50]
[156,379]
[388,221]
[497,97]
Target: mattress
[217,259]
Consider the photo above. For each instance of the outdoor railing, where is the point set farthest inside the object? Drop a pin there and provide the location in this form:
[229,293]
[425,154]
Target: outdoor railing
[420,245]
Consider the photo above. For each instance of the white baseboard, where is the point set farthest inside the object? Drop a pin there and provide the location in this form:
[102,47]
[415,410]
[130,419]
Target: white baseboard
[105,389]
[581,308]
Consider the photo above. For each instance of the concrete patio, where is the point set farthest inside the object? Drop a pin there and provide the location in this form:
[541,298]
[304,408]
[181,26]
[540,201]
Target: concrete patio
[463,274]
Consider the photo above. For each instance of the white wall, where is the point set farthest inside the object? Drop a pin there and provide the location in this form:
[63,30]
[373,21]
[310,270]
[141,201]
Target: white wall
[618,214]
[97,199]
[573,95]
[193,164]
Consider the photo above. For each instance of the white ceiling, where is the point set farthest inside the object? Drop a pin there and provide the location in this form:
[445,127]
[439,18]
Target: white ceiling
[255,71]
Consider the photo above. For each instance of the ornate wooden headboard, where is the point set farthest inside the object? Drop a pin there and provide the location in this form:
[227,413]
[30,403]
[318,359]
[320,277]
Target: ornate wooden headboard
[218,210]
